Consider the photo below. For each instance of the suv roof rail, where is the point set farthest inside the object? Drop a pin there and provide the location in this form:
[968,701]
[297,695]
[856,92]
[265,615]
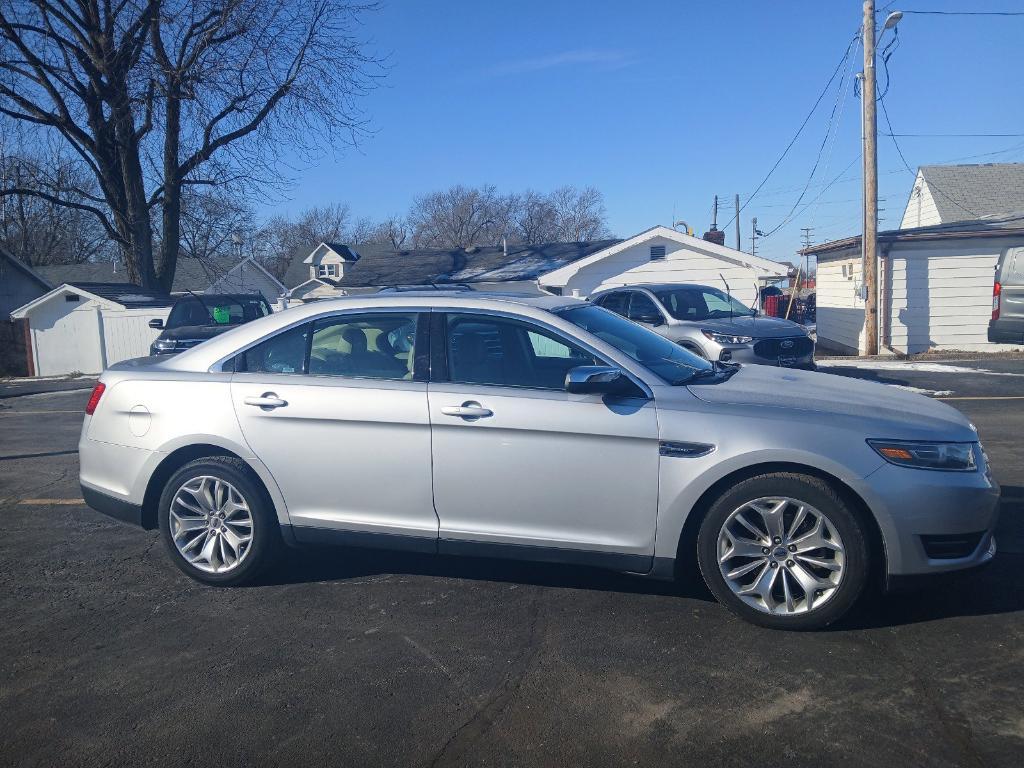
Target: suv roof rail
[425,287]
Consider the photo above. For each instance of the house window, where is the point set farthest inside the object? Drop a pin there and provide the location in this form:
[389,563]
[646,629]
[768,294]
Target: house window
[72,297]
[327,270]
[657,252]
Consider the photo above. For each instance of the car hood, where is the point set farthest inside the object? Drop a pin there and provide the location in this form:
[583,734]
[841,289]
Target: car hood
[885,411]
[760,326]
[194,332]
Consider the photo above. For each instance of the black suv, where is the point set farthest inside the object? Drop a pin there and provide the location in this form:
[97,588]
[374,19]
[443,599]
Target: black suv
[197,317]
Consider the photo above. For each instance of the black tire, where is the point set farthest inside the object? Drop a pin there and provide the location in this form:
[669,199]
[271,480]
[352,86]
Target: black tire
[266,532]
[820,495]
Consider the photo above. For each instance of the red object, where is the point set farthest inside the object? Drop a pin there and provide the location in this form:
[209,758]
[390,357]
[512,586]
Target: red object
[94,398]
[771,305]
[997,291]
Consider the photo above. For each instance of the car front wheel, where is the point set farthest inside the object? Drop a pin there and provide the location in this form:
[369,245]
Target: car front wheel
[216,523]
[783,550]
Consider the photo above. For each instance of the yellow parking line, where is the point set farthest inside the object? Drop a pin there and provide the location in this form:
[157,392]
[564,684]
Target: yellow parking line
[52,502]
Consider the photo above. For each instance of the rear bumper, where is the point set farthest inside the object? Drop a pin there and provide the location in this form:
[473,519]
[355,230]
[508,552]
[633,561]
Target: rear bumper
[119,509]
[1006,331]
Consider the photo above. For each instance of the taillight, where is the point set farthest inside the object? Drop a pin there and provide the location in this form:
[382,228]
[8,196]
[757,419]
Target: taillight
[997,291]
[94,398]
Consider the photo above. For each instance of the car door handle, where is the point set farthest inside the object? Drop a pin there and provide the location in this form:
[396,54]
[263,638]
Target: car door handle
[468,410]
[267,401]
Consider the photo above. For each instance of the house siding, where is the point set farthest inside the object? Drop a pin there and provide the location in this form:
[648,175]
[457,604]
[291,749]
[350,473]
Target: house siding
[16,288]
[941,296]
[921,210]
[633,266]
[840,318]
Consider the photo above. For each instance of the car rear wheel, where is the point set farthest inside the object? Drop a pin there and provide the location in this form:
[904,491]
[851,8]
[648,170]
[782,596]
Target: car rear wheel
[216,522]
[783,550]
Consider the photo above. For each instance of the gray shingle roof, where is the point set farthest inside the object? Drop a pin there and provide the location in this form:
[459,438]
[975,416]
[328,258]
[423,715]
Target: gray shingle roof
[380,265]
[966,192]
[127,294]
[190,275]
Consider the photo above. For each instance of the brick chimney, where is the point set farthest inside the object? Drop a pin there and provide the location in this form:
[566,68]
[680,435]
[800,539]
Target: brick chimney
[716,236]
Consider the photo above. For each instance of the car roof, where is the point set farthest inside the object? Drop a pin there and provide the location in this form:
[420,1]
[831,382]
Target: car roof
[653,287]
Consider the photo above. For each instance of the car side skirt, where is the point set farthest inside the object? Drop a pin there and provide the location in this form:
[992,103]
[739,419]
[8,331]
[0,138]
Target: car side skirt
[615,561]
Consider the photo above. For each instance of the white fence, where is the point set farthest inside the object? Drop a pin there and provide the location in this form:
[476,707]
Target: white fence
[126,333]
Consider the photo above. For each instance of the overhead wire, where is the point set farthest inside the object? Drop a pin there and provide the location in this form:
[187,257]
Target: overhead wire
[803,125]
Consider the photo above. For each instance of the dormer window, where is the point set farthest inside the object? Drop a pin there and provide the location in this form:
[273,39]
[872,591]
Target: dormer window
[327,270]
[657,252]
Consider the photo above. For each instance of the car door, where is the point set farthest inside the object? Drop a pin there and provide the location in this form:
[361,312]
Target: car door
[337,411]
[520,461]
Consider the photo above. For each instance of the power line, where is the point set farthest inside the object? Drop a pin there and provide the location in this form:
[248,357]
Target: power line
[955,135]
[965,13]
[803,125]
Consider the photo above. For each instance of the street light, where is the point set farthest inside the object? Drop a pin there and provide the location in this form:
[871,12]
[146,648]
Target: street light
[892,20]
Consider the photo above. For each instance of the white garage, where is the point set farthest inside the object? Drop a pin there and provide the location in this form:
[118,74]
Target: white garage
[663,255]
[935,287]
[86,327]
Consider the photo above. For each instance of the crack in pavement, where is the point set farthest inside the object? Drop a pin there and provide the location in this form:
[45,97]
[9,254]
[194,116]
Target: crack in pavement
[456,750]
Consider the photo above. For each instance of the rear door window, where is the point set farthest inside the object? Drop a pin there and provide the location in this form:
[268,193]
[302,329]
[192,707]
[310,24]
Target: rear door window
[616,302]
[369,346]
[283,353]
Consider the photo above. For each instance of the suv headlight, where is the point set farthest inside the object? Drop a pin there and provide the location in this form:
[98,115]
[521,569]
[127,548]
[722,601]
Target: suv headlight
[956,457]
[164,345]
[726,338]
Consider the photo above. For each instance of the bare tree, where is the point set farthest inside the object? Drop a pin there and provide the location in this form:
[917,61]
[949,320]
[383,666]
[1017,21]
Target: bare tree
[213,225]
[579,214]
[282,237]
[154,96]
[462,217]
[393,231]
[36,230]
[537,219]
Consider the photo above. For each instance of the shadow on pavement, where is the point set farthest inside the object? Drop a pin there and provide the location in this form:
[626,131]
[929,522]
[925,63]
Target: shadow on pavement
[995,589]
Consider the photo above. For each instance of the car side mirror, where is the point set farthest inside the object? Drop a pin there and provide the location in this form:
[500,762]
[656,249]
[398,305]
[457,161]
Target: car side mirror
[650,319]
[157,323]
[597,380]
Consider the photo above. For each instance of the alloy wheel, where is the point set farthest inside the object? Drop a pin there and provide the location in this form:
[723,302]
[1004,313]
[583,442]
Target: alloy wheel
[211,524]
[781,556]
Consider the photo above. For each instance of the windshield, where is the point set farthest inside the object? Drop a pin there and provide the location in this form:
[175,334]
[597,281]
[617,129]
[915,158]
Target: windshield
[668,360]
[216,310]
[701,303]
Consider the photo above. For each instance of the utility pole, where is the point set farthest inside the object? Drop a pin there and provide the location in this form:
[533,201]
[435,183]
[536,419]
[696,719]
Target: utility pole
[714,214]
[805,233]
[753,237]
[869,238]
[737,223]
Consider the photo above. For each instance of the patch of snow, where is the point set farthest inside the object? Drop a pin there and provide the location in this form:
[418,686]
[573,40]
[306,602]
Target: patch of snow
[900,365]
[134,297]
[920,391]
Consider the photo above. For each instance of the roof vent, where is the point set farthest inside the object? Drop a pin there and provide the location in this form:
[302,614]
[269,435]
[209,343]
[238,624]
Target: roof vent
[657,252]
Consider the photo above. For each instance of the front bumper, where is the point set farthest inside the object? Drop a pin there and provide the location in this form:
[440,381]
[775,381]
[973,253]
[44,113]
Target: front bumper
[931,521]
[745,353]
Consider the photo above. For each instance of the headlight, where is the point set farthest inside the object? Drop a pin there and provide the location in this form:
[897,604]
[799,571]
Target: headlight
[164,344]
[726,338]
[958,457]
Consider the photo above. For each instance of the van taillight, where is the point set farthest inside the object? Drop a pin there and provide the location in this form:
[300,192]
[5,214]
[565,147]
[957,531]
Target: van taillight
[997,291]
[94,398]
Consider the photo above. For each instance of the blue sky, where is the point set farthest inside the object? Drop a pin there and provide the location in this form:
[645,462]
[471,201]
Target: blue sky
[661,105]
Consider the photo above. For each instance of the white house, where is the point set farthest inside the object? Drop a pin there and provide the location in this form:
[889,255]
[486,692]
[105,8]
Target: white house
[943,194]
[935,287]
[86,327]
[663,255]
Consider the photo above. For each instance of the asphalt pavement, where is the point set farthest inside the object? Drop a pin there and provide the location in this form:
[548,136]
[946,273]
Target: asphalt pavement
[110,656]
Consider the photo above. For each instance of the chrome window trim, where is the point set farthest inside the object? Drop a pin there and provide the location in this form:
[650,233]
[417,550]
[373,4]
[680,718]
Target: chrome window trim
[528,320]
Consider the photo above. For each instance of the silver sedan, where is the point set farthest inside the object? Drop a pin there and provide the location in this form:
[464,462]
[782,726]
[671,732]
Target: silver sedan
[541,429]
